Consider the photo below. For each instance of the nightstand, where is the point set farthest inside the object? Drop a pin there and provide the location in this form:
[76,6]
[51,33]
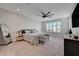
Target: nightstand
[19,36]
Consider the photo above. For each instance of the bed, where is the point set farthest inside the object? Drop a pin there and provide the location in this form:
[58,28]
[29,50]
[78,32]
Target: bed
[33,37]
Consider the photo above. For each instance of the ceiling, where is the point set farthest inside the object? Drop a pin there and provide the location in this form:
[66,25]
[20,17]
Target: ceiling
[33,10]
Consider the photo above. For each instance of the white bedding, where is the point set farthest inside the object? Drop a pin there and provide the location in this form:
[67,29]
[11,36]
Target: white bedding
[31,37]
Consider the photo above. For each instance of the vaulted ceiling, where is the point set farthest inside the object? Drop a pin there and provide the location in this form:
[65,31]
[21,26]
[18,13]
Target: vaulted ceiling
[33,10]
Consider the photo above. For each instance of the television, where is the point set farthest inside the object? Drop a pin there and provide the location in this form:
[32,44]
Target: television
[75,16]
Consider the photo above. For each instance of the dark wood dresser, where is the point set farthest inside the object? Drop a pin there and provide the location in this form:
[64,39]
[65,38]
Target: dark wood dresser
[71,47]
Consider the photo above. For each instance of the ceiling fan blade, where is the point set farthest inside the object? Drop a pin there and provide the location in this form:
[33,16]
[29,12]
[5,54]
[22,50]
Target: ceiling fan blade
[43,13]
[47,13]
[50,15]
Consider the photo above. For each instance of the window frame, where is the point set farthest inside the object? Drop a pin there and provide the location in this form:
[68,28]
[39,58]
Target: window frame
[54,26]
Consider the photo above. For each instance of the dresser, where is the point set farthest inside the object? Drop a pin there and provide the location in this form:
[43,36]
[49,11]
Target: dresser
[71,47]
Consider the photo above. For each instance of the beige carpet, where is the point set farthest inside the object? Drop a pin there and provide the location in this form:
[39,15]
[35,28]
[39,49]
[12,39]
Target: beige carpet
[54,47]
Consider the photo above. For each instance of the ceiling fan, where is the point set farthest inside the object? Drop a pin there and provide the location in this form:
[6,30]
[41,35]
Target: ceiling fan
[44,15]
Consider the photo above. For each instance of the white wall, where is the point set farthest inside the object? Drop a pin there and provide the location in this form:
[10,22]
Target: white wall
[74,30]
[16,22]
[64,27]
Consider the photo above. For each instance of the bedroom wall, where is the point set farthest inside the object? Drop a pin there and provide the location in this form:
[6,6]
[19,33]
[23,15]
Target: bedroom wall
[16,22]
[74,30]
[64,26]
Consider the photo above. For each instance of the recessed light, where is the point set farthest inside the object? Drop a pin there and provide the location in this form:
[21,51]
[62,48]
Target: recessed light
[18,9]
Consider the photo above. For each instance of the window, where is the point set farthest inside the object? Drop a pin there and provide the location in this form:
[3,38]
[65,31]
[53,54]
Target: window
[54,26]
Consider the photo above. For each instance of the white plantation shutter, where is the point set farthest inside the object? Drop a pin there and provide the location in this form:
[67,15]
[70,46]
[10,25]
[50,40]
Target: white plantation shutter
[54,26]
